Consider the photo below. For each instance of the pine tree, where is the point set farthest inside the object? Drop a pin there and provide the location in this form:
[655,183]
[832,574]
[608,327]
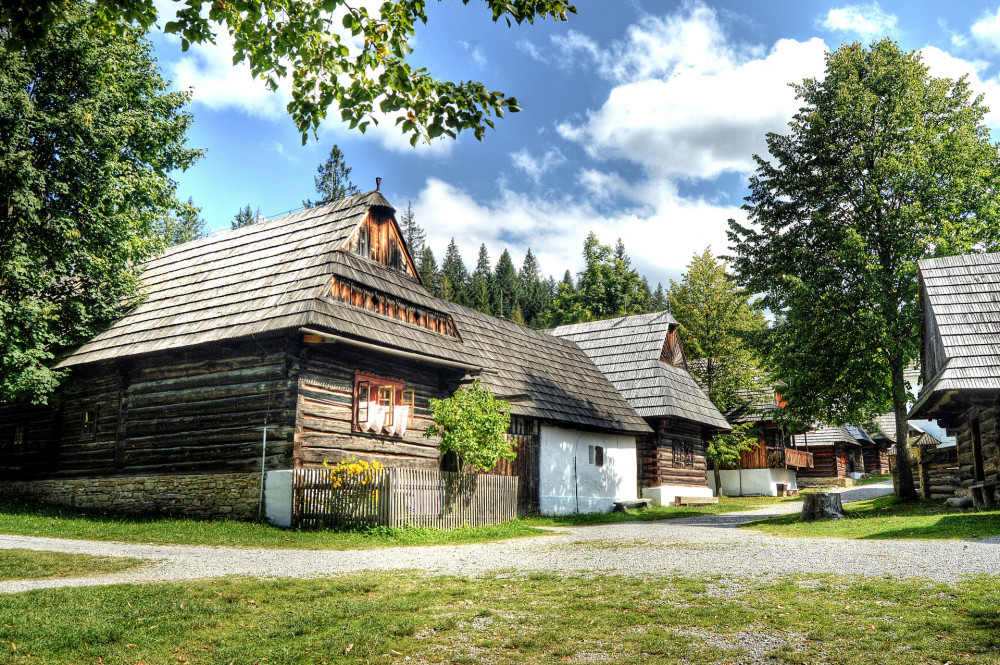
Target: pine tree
[658,301]
[413,234]
[333,180]
[481,283]
[516,316]
[183,226]
[530,286]
[427,268]
[454,276]
[506,286]
[244,217]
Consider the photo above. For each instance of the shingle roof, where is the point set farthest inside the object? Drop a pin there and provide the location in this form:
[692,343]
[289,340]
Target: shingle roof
[274,276]
[884,427]
[962,297]
[627,350]
[825,435]
[260,278]
[858,433]
[563,383]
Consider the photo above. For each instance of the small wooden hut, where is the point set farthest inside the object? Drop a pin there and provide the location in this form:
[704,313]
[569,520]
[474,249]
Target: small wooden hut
[836,453]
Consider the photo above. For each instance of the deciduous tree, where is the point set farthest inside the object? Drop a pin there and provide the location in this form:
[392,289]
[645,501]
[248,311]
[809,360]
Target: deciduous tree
[336,53]
[883,165]
[90,136]
[720,327]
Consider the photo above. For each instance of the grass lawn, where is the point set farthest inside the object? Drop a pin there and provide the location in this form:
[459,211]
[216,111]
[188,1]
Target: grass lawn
[727,504]
[871,480]
[46,521]
[405,617]
[31,565]
[884,518]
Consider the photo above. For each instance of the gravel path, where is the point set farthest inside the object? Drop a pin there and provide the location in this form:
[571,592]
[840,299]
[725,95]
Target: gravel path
[692,546]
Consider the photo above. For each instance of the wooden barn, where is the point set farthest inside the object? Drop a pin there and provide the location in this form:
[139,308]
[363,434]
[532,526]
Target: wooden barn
[642,356]
[296,341]
[960,364]
[770,468]
[836,453]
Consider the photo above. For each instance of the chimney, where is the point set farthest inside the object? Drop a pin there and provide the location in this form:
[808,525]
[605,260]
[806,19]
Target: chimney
[378,184]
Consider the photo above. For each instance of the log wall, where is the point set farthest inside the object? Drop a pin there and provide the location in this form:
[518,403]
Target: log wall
[832,461]
[876,458]
[325,408]
[198,411]
[657,464]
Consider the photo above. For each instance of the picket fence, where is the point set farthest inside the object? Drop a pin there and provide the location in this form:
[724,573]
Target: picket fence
[400,497]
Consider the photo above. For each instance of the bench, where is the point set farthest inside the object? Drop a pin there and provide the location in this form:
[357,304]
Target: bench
[695,500]
[984,494]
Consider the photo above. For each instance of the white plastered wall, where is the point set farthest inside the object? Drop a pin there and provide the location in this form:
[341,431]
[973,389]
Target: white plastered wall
[753,482]
[664,495]
[590,489]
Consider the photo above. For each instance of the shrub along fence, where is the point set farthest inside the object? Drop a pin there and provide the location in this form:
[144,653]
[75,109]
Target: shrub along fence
[400,497]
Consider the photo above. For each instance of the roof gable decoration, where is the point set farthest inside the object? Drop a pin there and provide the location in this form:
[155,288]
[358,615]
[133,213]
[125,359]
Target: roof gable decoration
[379,238]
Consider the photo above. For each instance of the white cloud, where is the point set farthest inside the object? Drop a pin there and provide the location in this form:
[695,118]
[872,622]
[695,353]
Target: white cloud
[475,51]
[661,238]
[536,167]
[986,31]
[691,105]
[208,71]
[865,21]
[943,64]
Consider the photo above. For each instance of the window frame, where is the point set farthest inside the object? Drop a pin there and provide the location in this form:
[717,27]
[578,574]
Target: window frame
[89,425]
[396,395]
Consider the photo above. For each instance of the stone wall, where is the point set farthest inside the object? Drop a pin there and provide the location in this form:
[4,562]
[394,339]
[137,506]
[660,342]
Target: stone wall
[229,495]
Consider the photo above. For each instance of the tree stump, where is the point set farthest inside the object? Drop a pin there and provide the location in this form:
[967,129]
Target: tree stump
[821,506]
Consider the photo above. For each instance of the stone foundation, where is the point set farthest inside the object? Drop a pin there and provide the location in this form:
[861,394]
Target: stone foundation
[228,495]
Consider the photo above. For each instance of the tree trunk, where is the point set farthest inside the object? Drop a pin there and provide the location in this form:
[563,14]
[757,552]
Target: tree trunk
[904,473]
[821,506]
[718,477]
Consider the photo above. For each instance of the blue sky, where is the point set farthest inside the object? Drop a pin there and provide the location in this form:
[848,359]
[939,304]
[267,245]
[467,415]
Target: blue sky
[639,120]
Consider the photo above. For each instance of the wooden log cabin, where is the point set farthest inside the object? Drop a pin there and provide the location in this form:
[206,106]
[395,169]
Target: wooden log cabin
[960,365]
[642,356]
[292,342]
[836,453]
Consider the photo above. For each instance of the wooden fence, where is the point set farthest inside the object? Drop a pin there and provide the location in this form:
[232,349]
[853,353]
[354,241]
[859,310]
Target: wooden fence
[400,497]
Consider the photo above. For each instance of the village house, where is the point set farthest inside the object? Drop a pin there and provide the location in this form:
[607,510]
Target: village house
[836,455]
[296,341]
[960,364]
[770,467]
[642,357]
